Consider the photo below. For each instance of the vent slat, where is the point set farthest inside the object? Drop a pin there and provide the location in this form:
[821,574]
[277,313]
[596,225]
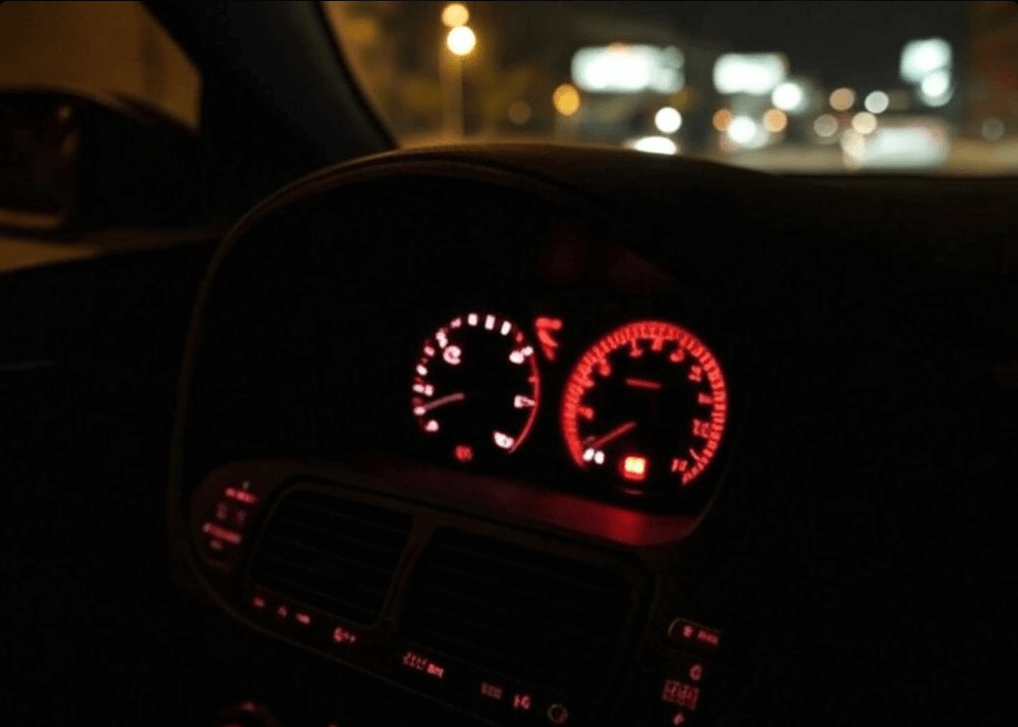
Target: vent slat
[386,543]
[479,562]
[281,565]
[383,569]
[525,613]
[489,581]
[537,640]
[323,509]
[507,601]
[335,554]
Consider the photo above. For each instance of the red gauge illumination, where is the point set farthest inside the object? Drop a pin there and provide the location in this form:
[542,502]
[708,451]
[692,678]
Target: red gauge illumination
[476,387]
[646,405]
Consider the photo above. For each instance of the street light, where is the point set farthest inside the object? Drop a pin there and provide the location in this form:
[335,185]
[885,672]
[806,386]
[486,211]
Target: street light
[459,42]
[455,15]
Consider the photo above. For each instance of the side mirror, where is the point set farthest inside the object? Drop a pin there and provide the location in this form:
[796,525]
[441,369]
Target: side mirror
[70,161]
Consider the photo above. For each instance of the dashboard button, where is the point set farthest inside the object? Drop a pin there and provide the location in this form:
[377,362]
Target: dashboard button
[681,694]
[691,635]
[558,714]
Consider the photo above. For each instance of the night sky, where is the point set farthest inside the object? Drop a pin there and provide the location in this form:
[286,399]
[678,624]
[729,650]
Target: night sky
[845,43]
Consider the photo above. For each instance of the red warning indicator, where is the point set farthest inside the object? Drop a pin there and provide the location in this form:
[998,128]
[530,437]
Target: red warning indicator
[546,327]
[634,467]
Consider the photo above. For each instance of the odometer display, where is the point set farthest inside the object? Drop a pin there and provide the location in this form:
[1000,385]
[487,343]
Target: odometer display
[646,406]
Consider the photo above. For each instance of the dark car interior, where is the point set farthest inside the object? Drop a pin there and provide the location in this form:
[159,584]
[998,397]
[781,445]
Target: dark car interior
[243,488]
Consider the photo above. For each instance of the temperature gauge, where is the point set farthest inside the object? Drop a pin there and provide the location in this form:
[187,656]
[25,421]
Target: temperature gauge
[646,405]
[476,387]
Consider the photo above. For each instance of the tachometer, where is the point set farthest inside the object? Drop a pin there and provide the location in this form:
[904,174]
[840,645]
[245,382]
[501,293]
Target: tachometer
[646,405]
[476,387]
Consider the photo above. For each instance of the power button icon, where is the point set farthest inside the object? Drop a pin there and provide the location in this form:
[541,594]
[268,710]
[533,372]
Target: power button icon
[558,714]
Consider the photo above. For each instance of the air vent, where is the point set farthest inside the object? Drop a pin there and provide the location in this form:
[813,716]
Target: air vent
[524,613]
[331,553]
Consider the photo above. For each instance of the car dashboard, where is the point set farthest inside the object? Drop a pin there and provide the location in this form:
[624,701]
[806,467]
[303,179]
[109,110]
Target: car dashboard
[544,447]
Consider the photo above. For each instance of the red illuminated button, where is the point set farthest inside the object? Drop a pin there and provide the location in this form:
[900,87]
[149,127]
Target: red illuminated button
[690,634]
[558,714]
[708,638]
[680,719]
[341,636]
[492,691]
[681,694]
[522,702]
[218,532]
[258,603]
[241,495]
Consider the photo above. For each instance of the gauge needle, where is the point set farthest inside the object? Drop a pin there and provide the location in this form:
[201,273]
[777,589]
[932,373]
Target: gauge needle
[643,384]
[458,396]
[613,434]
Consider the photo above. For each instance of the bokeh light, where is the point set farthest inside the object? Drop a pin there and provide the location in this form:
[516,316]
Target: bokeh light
[775,121]
[667,120]
[825,125]
[566,99]
[455,15]
[864,122]
[877,102]
[461,40]
[842,99]
[722,119]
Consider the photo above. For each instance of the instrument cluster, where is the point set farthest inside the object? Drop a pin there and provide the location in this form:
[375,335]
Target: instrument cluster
[640,410]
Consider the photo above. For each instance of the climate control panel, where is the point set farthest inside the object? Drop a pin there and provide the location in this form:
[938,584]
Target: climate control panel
[508,626]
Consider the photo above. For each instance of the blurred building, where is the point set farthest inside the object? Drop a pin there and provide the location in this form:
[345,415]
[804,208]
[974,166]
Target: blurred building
[613,117]
[991,100]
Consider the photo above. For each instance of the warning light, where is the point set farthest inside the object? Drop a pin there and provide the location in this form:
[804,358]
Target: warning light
[545,327]
[464,453]
[634,468]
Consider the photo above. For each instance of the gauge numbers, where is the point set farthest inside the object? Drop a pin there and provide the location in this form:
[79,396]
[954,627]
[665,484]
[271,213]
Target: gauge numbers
[476,388]
[646,405]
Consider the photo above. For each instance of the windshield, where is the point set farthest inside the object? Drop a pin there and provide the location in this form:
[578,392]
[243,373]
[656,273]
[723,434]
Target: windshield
[801,87]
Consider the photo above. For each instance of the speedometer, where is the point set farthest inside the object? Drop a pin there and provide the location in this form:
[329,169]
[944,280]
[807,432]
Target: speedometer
[646,406]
